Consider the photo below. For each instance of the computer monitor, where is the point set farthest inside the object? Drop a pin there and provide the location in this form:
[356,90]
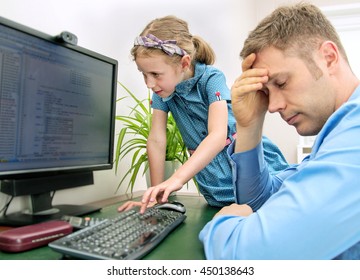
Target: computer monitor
[57,118]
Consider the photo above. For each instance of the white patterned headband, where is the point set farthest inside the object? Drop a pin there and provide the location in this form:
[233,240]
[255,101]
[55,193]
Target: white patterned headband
[168,46]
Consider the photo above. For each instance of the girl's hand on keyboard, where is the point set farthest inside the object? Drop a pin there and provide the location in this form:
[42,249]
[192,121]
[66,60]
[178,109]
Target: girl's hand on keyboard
[130,204]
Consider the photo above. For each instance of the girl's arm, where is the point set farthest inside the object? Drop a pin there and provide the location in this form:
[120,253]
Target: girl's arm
[205,152]
[156,147]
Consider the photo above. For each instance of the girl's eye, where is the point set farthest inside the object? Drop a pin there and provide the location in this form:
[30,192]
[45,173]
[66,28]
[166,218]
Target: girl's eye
[155,75]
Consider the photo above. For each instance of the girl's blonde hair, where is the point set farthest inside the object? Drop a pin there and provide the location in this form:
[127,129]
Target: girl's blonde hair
[173,28]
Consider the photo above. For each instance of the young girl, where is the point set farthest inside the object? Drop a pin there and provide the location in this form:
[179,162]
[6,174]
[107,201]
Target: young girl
[176,67]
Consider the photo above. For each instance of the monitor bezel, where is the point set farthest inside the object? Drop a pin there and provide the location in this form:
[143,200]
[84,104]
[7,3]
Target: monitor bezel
[41,172]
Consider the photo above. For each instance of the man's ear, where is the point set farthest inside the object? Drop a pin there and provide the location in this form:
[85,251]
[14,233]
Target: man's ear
[330,53]
[185,62]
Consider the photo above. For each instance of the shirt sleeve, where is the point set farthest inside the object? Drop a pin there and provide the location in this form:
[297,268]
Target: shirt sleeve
[308,211]
[251,178]
[216,87]
[158,103]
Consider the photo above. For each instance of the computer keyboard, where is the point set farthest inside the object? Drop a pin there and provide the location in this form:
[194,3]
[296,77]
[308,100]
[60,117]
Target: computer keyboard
[127,236]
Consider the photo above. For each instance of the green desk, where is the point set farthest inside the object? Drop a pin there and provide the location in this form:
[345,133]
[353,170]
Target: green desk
[182,244]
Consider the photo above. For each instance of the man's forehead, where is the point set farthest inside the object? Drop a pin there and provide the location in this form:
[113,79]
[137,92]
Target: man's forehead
[275,61]
[268,56]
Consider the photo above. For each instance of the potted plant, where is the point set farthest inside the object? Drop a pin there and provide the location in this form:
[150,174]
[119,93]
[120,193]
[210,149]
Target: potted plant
[133,136]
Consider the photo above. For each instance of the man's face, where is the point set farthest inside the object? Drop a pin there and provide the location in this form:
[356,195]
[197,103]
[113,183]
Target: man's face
[303,99]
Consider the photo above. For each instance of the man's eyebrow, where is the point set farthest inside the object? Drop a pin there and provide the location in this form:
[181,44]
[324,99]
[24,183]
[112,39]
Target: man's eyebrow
[271,79]
[275,76]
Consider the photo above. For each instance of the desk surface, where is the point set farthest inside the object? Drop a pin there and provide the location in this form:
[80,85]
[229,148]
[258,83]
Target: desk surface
[183,243]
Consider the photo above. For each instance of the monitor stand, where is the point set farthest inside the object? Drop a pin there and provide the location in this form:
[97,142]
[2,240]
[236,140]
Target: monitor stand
[41,208]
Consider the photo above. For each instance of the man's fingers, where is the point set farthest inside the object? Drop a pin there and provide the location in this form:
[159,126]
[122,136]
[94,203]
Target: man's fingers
[248,62]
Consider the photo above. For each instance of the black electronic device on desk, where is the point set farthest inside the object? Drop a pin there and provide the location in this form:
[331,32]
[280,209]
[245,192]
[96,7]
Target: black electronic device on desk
[128,236]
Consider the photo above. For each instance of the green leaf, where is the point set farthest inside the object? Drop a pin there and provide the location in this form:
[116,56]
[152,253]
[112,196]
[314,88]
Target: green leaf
[133,137]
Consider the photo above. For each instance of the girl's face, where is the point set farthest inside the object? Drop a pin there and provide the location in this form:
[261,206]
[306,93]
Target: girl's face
[160,76]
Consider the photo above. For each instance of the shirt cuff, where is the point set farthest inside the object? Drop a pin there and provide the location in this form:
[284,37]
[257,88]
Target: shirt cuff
[247,164]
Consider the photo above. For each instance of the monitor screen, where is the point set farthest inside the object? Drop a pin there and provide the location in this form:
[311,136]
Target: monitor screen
[57,113]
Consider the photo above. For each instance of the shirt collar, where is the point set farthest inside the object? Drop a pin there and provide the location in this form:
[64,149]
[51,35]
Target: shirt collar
[186,86]
[355,94]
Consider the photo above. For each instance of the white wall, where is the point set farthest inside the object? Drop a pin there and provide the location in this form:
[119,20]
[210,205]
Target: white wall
[109,27]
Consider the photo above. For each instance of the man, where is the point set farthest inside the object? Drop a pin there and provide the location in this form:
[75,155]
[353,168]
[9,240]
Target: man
[294,64]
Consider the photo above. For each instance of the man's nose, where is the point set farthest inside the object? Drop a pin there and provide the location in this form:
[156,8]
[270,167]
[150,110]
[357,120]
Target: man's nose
[276,102]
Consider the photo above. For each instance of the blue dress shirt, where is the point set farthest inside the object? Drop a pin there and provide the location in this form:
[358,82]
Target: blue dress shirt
[308,211]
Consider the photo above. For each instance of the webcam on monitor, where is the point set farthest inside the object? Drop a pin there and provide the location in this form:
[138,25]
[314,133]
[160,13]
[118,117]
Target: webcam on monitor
[67,37]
